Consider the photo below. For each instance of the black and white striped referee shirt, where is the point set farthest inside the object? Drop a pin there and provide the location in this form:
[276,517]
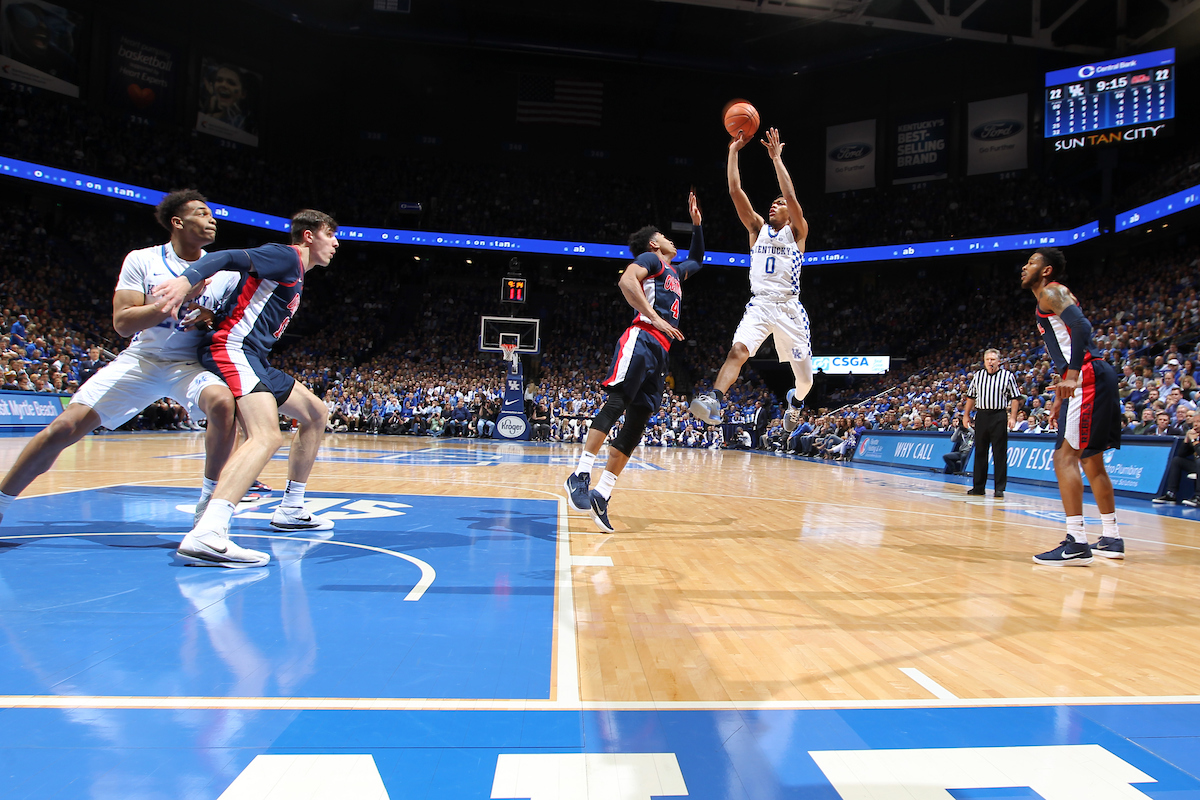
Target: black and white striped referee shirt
[993,392]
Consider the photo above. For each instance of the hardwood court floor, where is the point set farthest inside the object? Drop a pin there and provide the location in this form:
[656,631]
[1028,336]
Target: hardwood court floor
[746,577]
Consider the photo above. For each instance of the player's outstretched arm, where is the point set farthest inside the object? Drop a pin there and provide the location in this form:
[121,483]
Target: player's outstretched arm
[741,202]
[786,188]
[133,311]
[631,287]
[695,259]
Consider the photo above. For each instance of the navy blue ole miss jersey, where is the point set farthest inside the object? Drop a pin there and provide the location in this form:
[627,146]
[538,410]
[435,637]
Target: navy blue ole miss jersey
[1068,338]
[661,287]
[267,297]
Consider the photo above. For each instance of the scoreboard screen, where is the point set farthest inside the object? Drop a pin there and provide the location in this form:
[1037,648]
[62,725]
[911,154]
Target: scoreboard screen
[1122,99]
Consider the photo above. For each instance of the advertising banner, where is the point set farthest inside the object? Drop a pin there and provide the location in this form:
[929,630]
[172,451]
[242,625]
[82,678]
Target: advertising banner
[1139,467]
[229,101]
[921,150]
[998,135]
[904,449]
[850,156]
[142,77]
[39,45]
[30,410]
[858,365]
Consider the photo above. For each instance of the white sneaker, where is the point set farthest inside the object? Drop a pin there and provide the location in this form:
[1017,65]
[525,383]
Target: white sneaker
[287,518]
[791,417]
[213,549]
[706,408]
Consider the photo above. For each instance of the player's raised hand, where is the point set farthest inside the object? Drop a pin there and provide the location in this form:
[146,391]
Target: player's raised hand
[694,208]
[772,143]
[670,330]
[739,141]
[170,295]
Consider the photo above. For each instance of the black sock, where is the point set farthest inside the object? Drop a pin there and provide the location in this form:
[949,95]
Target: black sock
[717,393]
[797,402]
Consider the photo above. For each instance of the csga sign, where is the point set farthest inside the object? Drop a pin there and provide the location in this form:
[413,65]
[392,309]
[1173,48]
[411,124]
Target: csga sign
[859,365]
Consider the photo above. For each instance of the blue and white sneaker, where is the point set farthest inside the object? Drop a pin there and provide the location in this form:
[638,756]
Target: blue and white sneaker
[577,487]
[1110,547]
[791,417]
[599,508]
[1069,553]
[706,408]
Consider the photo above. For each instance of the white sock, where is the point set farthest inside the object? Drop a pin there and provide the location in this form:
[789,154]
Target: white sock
[1075,529]
[1110,526]
[585,463]
[216,516]
[606,484]
[5,502]
[206,491]
[293,495]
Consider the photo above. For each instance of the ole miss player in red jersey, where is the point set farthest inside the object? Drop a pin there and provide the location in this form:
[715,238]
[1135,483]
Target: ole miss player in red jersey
[265,301]
[1088,409]
[637,378]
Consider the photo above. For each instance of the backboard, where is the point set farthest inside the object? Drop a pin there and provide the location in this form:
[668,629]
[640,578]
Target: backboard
[494,330]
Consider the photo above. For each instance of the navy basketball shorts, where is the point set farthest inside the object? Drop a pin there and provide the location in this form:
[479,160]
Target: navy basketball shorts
[639,370]
[1090,420]
[245,372]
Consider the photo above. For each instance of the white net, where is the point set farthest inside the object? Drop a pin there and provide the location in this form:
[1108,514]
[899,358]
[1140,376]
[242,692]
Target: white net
[509,351]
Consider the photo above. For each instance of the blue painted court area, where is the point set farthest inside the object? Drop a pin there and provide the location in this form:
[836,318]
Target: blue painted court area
[1056,753]
[413,596]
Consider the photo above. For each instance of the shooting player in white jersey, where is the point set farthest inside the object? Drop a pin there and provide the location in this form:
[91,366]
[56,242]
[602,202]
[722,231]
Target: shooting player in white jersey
[160,361]
[776,256]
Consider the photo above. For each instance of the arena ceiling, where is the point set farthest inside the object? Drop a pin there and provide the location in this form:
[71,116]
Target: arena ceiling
[766,37]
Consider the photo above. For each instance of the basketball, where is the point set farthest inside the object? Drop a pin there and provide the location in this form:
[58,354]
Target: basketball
[741,116]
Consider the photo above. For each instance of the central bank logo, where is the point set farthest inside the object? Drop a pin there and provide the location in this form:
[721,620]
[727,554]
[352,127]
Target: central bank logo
[997,129]
[850,152]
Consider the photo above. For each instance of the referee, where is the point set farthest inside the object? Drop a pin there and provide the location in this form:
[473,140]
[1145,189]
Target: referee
[991,390]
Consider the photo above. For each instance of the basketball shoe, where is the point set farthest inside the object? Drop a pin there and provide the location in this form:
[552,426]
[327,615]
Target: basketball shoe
[706,408]
[287,518]
[1069,553]
[1110,547]
[599,508]
[577,488]
[791,417]
[214,549]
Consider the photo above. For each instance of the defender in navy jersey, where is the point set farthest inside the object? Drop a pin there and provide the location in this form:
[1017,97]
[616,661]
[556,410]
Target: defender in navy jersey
[776,257]
[266,299]
[159,362]
[637,378]
[1088,409]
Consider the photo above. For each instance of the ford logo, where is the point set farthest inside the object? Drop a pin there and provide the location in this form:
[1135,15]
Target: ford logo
[850,152]
[997,129]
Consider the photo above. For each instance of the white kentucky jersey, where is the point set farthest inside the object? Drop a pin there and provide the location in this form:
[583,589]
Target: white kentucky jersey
[168,341]
[775,262]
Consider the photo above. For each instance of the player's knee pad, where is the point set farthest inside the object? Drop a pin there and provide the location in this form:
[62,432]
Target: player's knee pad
[631,433]
[609,413]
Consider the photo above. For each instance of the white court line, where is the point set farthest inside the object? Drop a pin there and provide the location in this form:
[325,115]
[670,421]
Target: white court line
[591,561]
[567,657]
[427,572]
[932,686]
[426,704]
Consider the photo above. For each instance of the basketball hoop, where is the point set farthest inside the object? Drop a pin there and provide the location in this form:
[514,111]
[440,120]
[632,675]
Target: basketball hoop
[508,350]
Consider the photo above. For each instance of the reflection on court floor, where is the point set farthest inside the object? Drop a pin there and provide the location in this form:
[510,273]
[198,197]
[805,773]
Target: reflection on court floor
[449,455]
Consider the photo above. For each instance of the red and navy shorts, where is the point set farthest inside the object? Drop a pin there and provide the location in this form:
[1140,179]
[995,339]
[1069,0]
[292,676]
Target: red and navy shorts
[245,372]
[639,369]
[1090,420]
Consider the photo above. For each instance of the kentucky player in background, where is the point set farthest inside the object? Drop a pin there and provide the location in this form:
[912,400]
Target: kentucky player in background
[776,256]
[267,296]
[651,284]
[1088,408]
[161,361]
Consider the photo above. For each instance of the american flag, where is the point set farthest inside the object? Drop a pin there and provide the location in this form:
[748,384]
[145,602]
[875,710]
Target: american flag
[567,102]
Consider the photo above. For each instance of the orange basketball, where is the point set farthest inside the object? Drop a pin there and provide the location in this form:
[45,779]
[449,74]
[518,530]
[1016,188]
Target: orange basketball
[741,116]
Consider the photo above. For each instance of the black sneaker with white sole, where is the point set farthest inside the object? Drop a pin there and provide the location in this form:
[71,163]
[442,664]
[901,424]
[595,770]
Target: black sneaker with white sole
[577,486]
[1110,547]
[1068,554]
[599,508]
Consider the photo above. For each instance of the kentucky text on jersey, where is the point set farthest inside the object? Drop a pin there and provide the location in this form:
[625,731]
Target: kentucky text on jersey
[775,262]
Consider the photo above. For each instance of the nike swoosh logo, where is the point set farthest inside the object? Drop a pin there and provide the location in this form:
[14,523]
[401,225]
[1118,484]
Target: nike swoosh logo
[1080,554]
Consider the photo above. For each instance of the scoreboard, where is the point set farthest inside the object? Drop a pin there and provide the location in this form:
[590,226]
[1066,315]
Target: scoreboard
[1122,99]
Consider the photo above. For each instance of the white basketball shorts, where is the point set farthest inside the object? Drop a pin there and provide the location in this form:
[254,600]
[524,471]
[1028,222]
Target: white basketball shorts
[787,320]
[123,388]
